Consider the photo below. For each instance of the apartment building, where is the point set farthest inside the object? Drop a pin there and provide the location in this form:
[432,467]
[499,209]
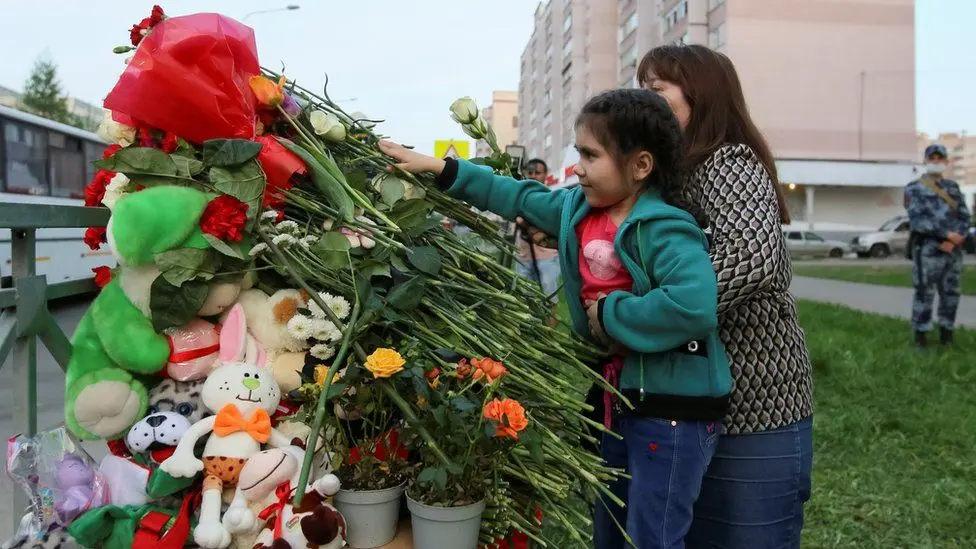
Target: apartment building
[502,115]
[831,83]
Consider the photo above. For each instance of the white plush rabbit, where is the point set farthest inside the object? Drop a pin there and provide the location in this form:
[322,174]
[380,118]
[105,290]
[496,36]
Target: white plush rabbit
[243,396]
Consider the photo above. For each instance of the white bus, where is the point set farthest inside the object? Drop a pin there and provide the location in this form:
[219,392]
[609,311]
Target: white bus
[46,162]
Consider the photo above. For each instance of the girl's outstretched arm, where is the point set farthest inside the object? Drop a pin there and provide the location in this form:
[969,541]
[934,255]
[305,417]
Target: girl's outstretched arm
[484,190]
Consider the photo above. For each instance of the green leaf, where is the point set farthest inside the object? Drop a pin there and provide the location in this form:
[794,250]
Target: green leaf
[182,264]
[462,404]
[357,180]
[223,247]
[407,296]
[333,249]
[400,265]
[455,469]
[427,475]
[187,167]
[391,190]
[490,429]
[535,450]
[229,152]
[173,306]
[245,183]
[370,269]
[427,225]
[410,213]
[425,259]
[140,160]
[440,477]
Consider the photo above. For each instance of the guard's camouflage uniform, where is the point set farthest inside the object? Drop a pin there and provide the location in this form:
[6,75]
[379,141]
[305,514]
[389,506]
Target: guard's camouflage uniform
[932,218]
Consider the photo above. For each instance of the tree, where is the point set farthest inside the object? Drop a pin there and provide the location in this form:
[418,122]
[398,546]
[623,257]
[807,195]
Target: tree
[43,96]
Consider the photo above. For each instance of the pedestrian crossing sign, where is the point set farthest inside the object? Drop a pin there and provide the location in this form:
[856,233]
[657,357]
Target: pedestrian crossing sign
[449,148]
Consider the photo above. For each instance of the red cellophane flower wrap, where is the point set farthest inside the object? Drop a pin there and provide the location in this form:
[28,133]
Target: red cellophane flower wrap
[190,77]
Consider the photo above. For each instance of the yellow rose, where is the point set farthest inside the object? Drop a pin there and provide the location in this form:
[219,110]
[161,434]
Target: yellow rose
[385,363]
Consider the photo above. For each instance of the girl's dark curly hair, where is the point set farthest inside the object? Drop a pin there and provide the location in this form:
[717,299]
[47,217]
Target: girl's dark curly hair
[626,121]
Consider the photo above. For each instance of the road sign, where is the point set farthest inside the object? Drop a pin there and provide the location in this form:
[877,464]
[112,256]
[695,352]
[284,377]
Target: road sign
[451,148]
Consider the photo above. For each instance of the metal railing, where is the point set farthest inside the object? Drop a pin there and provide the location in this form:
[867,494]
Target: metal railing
[24,314]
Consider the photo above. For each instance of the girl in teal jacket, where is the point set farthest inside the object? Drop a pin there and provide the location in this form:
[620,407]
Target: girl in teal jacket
[638,278]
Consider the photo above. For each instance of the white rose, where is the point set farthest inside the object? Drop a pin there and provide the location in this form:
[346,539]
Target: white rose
[113,132]
[115,190]
[464,110]
[327,125]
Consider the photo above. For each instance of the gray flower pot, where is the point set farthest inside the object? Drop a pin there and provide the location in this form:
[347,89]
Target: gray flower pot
[445,527]
[371,516]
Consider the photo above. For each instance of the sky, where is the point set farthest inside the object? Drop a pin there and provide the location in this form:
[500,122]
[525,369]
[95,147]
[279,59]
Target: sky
[406,61]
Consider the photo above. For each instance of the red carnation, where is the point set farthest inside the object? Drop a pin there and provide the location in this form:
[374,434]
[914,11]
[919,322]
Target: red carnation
[224,218]
[170,143]
[95,191]
[95,237]
[135,35]
[103,275]
[156,16]
[111,150]
[146,138]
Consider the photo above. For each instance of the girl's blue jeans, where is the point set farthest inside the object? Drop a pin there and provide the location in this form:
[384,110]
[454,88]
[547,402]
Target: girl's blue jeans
[753,493]
[666,460]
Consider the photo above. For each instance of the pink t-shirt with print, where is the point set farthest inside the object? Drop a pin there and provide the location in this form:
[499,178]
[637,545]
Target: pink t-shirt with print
[600,268]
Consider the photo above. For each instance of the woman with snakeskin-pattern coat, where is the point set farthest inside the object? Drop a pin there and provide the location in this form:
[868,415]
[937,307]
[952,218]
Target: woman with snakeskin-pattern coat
[753,493]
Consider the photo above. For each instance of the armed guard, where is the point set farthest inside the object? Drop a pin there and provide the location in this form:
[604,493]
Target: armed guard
[940,222]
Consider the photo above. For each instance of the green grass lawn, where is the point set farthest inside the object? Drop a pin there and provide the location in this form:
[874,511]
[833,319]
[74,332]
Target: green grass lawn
[895,275]
[894,435]
[895,447]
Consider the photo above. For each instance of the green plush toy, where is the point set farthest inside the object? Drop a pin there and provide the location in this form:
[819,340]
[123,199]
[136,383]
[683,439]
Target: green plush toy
[116,341]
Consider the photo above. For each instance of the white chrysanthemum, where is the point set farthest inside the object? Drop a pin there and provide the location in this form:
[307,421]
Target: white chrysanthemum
[338,304]
[293,345]
[269,215]
[258,249]
[287,226]
[301,327]
[284,240]
[310,239]
[322,351]
[323,330]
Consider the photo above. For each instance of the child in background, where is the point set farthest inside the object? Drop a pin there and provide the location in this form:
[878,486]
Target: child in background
[638,278]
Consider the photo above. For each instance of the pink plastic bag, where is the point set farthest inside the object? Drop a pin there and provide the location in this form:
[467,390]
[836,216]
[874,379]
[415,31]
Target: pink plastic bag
[194,350]
[190,77]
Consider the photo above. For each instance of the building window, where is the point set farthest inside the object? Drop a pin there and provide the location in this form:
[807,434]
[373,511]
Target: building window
[627,28]
[675,15]
[26,148]
[568,22]
[515,121]
[629,58]
[534,133]
[67,166]
[548,141]
[716,37]
[93,152]
[568,48]
[712,4]
[547,119]
[549,50]
[685,39]
[548,96]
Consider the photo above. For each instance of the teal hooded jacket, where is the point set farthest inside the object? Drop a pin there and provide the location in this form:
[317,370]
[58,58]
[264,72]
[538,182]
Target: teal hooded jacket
[677,367]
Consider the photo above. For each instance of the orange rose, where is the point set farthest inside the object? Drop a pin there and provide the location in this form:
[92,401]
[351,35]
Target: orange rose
[488,368]
[510,417]
[268,93]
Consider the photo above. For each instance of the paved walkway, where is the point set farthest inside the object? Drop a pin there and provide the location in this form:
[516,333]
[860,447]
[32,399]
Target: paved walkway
[885,300]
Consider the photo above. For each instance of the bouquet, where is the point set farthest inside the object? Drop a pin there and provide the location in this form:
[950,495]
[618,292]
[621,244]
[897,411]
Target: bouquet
[423,359]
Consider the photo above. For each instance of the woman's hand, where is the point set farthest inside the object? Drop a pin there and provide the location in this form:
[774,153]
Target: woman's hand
[411,161]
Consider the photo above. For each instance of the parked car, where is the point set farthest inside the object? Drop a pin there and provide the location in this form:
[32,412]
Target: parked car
[891,238]
[811,245]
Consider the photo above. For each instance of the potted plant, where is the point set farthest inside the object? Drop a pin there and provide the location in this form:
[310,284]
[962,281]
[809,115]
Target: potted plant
[374,469]
[474,426]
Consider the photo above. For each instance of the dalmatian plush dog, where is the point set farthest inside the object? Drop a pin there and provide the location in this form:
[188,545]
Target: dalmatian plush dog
[173,407]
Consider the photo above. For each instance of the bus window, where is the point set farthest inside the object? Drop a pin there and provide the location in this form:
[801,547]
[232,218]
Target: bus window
[93,152]
[67,166]
[26,162]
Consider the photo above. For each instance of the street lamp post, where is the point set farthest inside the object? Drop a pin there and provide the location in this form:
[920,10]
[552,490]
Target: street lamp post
[289,7]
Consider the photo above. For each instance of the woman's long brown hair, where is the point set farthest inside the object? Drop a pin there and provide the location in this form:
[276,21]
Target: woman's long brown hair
[719,115]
